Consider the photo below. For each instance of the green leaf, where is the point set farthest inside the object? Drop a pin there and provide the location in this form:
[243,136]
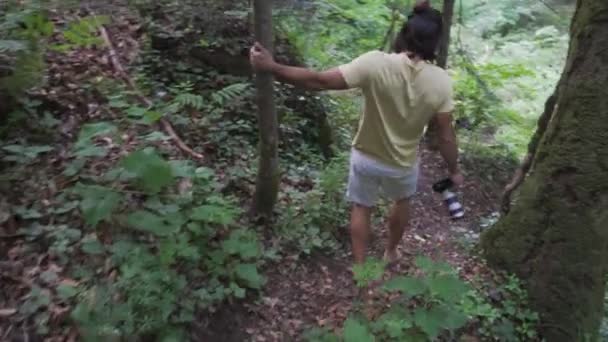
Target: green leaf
[27,213]
[249,274]
[173,335]
[66,292]
[49,277]
[36,299]
[429,321]
[146,221]
[238,291]
[448,288]
[97,203]
[408,285]
[371,270]
[91,151]
[453,319]
[89,131]
[12,45]
[395,322]
[428,265]
[214,214]
[90,245]
[85,147]
[153,172]
[243,243]
[156,136]
[182,168]
[505,331]
[121,250]
[66,207]
[136,111]
[355,331]
[204,173]
[23,153]
[152,116]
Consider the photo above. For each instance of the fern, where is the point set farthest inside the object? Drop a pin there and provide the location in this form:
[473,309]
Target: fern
[188,100]
[83,33]
[12,46]
[230,93]
[22,33]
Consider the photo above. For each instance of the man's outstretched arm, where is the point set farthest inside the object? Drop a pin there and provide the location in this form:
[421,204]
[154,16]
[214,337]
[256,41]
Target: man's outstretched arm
[262,60]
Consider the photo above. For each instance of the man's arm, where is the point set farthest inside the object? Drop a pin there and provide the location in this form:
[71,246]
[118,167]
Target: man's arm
[262,60]
[309,79]
[448,146]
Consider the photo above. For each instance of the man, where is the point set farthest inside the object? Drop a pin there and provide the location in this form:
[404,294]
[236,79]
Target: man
[403,92]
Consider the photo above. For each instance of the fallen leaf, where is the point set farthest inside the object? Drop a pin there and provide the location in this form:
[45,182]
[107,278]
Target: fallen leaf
[7,312]
[69,282]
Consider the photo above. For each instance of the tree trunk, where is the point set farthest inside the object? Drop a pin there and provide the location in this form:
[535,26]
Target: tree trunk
[267,186]
[442,61]
[444,44]
[556,235]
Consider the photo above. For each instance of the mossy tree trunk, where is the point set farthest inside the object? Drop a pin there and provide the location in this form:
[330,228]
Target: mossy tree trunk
[555,237]
[267,185]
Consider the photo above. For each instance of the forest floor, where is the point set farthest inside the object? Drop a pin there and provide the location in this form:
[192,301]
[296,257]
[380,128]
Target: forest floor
[320,291]
[301,292]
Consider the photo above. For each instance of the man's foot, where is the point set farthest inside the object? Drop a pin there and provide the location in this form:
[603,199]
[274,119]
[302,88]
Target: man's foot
[391,257]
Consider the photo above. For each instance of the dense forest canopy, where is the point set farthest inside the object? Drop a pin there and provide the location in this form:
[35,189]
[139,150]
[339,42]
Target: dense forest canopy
[133,167]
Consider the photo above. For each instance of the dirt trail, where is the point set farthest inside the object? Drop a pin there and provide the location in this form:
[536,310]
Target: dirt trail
[319,291]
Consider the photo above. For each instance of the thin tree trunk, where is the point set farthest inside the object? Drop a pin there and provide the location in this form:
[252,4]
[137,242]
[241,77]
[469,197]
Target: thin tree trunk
[387,40]
[442,61]
[556,235]
[444,44]
[267,186]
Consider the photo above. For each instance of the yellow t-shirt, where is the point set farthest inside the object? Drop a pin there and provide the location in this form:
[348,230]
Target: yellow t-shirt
[401,97]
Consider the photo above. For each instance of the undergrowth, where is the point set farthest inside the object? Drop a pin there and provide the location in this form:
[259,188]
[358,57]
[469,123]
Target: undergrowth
[434,304]
[138,241]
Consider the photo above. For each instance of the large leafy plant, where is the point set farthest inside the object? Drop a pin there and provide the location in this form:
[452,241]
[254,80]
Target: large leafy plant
[174,249]
[438,293]
[23,29]
[427,307]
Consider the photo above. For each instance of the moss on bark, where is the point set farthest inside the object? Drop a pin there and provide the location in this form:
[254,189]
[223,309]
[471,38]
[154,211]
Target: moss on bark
[556,235]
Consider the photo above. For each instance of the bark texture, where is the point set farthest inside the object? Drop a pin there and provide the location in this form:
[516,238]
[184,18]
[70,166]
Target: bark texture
[556,235]
[267,185]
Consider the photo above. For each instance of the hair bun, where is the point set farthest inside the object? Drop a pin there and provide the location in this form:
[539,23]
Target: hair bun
[422,7]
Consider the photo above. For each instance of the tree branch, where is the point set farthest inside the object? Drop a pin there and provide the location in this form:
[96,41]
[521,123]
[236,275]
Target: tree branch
[549,7]
[165,124]
[391,30]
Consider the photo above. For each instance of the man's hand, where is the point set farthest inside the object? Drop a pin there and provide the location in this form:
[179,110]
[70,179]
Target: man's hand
[261,59]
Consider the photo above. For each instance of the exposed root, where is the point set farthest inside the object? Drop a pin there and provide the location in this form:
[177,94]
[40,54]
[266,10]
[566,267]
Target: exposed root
[526,165]
[518,178]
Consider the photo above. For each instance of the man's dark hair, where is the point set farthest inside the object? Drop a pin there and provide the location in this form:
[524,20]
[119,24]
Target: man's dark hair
[421,33]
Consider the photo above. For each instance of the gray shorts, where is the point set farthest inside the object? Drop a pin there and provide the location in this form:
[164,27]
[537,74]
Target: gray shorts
[369,179]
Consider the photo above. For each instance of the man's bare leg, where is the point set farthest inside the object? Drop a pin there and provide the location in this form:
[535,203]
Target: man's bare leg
[360,230]
[397,222]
